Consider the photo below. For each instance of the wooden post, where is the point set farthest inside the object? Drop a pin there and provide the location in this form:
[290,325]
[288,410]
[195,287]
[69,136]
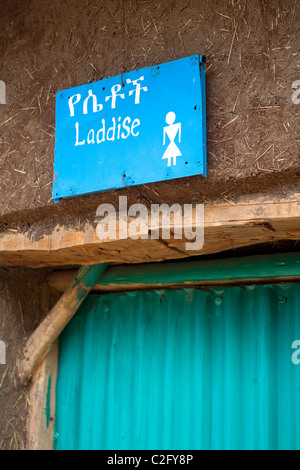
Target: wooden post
[40,342]
[42,397]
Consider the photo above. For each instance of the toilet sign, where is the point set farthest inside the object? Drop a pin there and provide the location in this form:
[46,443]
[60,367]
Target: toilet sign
[140,127]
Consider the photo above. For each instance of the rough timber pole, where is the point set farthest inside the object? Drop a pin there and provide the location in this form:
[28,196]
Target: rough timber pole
[40,342]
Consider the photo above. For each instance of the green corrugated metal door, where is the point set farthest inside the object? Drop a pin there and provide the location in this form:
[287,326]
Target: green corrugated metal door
[183,369]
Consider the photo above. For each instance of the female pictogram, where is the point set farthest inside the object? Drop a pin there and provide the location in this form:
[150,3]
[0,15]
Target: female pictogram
[171,131]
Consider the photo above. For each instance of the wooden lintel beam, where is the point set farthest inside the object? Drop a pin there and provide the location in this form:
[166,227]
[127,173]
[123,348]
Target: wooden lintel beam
[247,221]
[40,342]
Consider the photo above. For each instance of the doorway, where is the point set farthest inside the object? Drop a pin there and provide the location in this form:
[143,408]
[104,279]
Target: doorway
[181,369]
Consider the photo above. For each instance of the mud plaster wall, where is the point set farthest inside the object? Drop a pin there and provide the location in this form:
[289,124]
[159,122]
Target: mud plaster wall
[24,301]
[252,49]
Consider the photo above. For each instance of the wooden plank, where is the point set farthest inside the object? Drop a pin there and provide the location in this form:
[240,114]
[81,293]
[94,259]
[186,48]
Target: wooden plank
[40,342]
[261,268]
[41,416]
[248,221]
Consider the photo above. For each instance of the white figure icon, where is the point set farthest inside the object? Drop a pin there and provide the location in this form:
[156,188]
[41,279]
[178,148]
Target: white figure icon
[171,131]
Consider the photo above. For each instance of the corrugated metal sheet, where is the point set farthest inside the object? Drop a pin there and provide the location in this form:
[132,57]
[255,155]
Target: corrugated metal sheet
[184,369]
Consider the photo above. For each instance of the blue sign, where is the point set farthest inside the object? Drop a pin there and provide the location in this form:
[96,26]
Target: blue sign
[139,127]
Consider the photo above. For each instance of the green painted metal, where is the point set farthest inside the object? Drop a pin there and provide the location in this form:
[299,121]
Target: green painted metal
[247,267]
[183,369]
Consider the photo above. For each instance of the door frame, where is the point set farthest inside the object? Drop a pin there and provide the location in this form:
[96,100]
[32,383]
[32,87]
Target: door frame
[247,270]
